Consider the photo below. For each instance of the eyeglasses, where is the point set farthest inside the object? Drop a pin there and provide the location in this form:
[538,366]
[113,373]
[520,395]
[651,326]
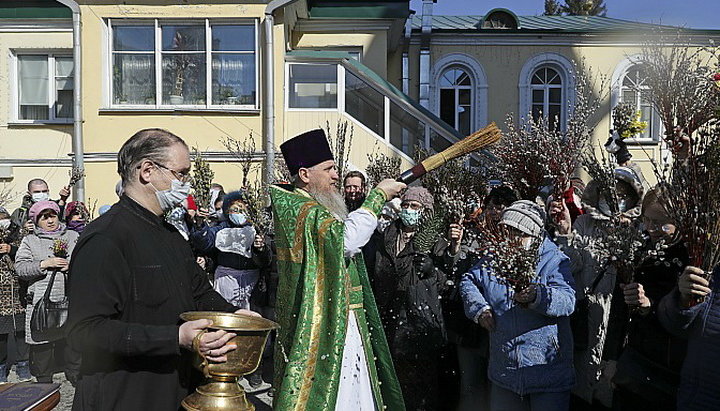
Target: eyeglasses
[183,177]
[236,210]
[655,226]
[412,206]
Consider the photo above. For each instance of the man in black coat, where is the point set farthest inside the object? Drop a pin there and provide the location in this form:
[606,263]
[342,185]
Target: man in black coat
[132,275]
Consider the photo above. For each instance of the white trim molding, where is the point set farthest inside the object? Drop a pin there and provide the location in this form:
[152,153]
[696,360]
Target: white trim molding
[564,67]
[479,82]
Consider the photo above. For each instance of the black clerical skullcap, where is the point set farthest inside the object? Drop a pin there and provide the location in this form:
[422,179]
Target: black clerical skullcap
[306,150]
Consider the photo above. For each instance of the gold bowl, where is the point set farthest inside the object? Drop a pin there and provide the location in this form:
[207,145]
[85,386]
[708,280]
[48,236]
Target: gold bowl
[222,392]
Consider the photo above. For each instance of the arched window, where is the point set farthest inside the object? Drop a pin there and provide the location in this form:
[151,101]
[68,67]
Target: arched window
[635,91]
[546,86]
[456,106]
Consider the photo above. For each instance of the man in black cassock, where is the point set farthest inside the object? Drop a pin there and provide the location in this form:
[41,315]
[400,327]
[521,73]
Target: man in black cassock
[132,275]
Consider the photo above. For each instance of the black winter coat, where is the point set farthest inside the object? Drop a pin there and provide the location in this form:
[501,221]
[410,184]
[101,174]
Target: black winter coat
[657,355]
[409,304]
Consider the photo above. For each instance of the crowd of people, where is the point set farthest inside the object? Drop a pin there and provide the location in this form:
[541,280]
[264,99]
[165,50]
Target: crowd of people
[453,335]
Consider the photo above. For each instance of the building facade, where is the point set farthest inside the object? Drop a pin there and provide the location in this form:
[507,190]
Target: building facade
[261,72]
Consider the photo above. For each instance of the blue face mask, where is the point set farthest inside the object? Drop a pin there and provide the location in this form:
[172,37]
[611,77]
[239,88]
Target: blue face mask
[409,217]
[238,219]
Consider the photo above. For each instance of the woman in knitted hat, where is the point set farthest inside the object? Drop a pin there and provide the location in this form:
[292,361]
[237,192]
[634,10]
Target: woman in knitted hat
[44,252]
[403,279]
[530,339]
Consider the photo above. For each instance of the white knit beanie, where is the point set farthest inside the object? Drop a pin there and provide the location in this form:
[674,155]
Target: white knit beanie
[526,216]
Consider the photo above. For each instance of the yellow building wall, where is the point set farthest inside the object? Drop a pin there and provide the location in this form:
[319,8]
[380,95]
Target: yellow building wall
[503,65]
[26,142]
[374,46]
[363,141]
[105,131]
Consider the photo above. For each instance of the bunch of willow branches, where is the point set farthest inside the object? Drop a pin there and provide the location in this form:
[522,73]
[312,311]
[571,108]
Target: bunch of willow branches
[538,151]
[457,187]
[620,243]
[507,258]
[255,192]
[690,192]
[202,179]
[340,144]
[76,174]
[679,78]
[381,166]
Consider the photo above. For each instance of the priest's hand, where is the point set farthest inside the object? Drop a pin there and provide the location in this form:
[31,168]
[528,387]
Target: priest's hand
[391,188]
[213,345]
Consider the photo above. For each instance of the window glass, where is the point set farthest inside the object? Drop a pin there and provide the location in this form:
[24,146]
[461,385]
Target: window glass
[33,87]
[313,86]
[456,95]
[185,62]
[364,103]
[133,38]
[233,37]
[405,130]
[233,79]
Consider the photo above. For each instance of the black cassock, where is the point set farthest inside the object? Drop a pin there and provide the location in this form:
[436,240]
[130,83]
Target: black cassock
[131,276]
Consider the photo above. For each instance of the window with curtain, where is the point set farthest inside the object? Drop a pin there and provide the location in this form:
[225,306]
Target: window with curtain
[456,106]
[202,63]
[546,86]
[635,91]
[45,87]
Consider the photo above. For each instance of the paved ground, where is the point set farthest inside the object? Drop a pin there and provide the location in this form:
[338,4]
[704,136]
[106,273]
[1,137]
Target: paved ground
[261,400]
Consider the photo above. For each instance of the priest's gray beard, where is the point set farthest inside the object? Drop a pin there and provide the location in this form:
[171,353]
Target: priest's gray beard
[330,199]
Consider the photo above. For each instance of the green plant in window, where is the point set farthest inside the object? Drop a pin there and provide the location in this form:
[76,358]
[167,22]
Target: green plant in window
[226,95]
[182,66]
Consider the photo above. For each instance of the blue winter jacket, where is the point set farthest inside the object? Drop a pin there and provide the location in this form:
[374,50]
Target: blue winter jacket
[701,325]
[531,347]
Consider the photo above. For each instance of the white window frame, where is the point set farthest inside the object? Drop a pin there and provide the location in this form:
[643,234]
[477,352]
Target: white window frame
[546,94]
[478,80]
[564,67]
[337,92]
[456,96]
[157,53]
[52,86]
[618,78]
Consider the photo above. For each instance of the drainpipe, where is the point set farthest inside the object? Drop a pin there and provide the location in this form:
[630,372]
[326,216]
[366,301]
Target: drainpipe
[77,138]
[425,53]
[406,55]
[268,86]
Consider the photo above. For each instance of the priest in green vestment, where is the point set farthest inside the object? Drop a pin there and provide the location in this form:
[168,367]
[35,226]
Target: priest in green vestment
[331,352]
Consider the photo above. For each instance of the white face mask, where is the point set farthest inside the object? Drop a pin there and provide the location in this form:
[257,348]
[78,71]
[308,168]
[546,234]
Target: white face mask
[174,196]
[40,197]
[4,224]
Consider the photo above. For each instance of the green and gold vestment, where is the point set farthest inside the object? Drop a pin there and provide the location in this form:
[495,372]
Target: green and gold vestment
[318,287]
